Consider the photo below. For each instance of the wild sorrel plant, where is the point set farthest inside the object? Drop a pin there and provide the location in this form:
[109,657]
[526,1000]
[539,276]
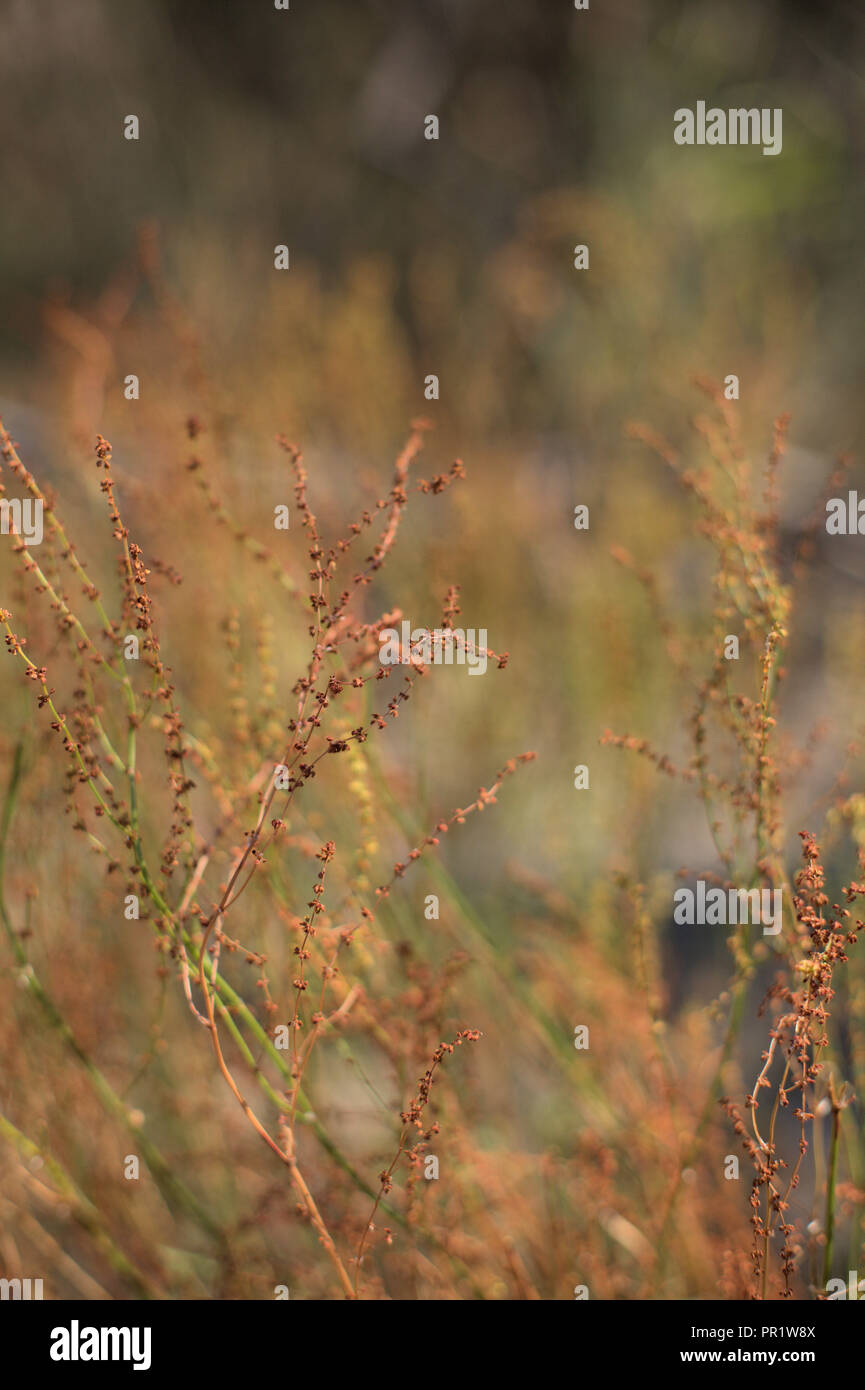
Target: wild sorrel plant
[598,1169]
[800,1038]
[108,695]
[740,776]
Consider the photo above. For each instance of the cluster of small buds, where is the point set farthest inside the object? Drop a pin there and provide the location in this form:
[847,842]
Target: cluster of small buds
[414,1113]
[485,797]
[309,929]
[643,747]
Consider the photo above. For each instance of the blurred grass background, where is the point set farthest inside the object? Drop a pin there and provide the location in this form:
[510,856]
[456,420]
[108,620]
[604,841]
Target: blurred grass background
[453,257]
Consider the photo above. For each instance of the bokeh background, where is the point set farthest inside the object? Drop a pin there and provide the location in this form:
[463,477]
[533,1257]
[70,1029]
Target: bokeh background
[453,257]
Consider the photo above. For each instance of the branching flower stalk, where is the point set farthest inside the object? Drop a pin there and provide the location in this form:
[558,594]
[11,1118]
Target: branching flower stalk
[342,660]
